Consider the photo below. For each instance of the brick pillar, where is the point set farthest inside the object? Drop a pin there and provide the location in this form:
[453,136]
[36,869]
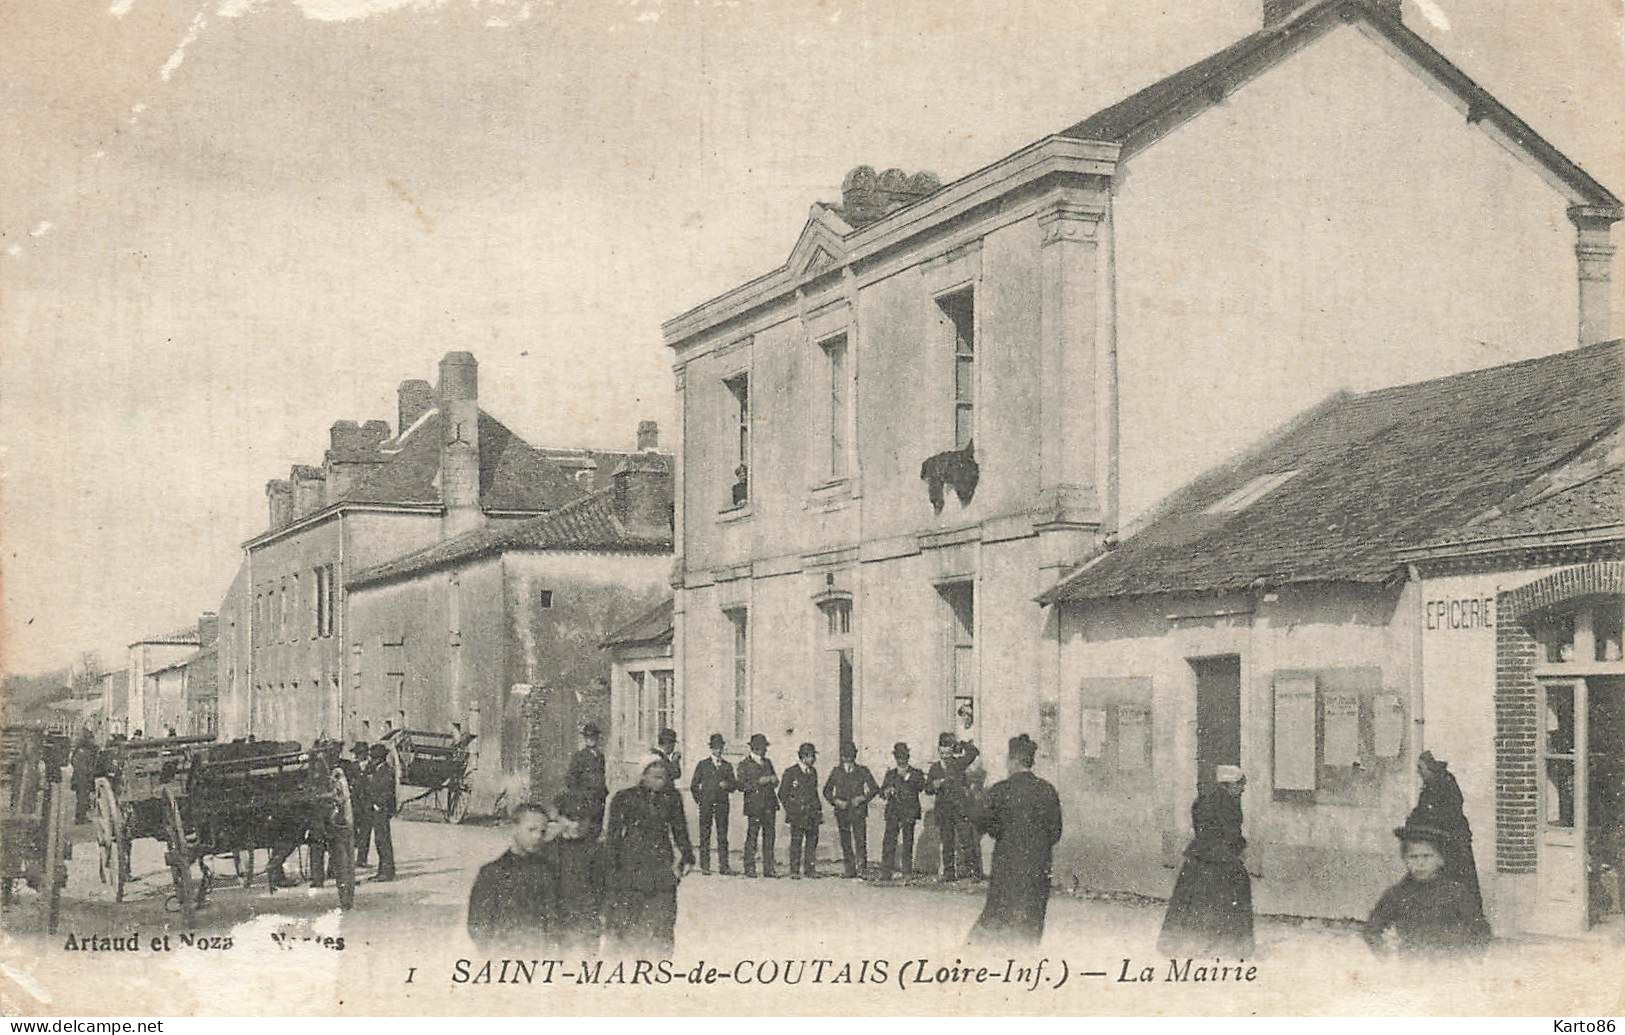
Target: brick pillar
[1516,695]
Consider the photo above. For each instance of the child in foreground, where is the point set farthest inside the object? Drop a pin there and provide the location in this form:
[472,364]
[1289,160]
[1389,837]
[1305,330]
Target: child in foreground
[1427,913]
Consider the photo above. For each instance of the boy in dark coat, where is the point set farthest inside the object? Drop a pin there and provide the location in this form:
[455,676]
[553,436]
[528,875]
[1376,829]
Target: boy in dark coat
[712,783]
[759,783]
[576,858]
[646,823]
[585,785]
[901,789]
[1211,909]
[1022,814]
[1429,912]
[849,789]
[948,784]
[798,793]
[514,899]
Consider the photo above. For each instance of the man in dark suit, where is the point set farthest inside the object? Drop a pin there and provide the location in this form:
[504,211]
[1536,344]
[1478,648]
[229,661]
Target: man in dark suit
[713,782]
[514,898]
[849,789]
[585,788]
[380,780]
[798,793]
[759,783]
[646,823]
[355,772]
[1023,816]
[948,783]
[666,748]
[901,789]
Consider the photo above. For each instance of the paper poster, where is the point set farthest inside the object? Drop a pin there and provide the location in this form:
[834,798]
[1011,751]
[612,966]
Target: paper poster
[1295,733]
[1133,737]
[1094,733]
[1388,726]
[1340,724]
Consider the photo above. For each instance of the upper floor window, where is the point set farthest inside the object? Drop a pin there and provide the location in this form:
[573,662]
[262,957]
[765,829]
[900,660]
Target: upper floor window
[323,601]
[958,315]
[740,691]
[739,386]
[835,361]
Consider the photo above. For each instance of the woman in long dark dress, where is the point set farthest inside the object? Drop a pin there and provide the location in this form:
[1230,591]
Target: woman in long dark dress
[1438,807]
[1211,909]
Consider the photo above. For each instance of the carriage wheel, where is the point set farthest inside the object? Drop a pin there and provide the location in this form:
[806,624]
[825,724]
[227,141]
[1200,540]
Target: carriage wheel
[242,864]
[178,858]
[56,870]
[341,850]
[113,856]
[456,802]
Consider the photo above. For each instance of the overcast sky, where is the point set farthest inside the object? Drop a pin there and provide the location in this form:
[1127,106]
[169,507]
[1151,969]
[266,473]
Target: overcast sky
[226,224]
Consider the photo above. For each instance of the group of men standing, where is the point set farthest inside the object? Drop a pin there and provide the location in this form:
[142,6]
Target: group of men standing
[848,789]
[558,883]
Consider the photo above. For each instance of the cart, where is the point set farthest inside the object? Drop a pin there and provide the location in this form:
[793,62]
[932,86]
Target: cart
[129,802]
[34,827]
[242,797]
[439,763]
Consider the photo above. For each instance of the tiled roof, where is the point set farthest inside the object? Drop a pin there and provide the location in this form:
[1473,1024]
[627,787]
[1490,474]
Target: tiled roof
[513,474]
[1205,83]
[598,464]
[589,523]
[1375,472]
[654,626]
[186,636]
[1587,493]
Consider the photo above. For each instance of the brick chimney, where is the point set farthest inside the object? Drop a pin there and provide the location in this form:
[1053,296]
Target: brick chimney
[278,503]
[641,491]
[1278,11]
[413,399]
[458,398]
[353,453]
[308,485]
[648,436]
[867,196]
[208,628]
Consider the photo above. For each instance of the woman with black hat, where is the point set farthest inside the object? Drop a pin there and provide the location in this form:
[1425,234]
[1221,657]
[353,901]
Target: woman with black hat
[1438,807]
[1211,909]
[1427,913]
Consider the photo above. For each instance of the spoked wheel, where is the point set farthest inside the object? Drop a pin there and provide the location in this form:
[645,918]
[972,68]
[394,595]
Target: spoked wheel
[59,800]
[112,857]
[243,865]
[179,858]
[341,849]
[456,801]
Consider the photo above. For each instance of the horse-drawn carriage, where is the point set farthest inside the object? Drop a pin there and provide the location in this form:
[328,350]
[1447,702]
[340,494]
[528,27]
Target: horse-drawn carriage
[34,829]
[240,797]
[129,797]
[439,763]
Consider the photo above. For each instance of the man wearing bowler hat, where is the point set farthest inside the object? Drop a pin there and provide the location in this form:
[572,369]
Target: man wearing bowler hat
[666,748]
[712,783]
[758,781]
[901,790]
[585,788]
[360,803]
[948,783]
[798,793]
[849,789]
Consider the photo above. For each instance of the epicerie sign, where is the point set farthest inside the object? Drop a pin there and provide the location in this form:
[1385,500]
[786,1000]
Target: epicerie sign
[1461,613]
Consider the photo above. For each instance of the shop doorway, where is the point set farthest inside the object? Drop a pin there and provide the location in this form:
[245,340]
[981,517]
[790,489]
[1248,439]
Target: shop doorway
[1218,715]
[1582,803]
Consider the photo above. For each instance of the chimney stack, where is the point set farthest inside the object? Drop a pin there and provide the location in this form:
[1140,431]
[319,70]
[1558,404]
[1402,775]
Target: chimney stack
[413,399]
[208,628]
[459,443]
[1594,252]
[279,503]
[1278,11]
[648,436]
[308,483]
[641,490]
[354,451]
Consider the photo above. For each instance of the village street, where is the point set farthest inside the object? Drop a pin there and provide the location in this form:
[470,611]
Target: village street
[362,961]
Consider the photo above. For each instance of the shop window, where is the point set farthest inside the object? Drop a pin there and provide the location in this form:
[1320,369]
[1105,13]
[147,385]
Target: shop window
[1555,635]
[1558,754]
[1607,627]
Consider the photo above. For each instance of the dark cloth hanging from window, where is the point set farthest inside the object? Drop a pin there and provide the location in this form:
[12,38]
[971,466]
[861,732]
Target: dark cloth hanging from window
[955,468]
